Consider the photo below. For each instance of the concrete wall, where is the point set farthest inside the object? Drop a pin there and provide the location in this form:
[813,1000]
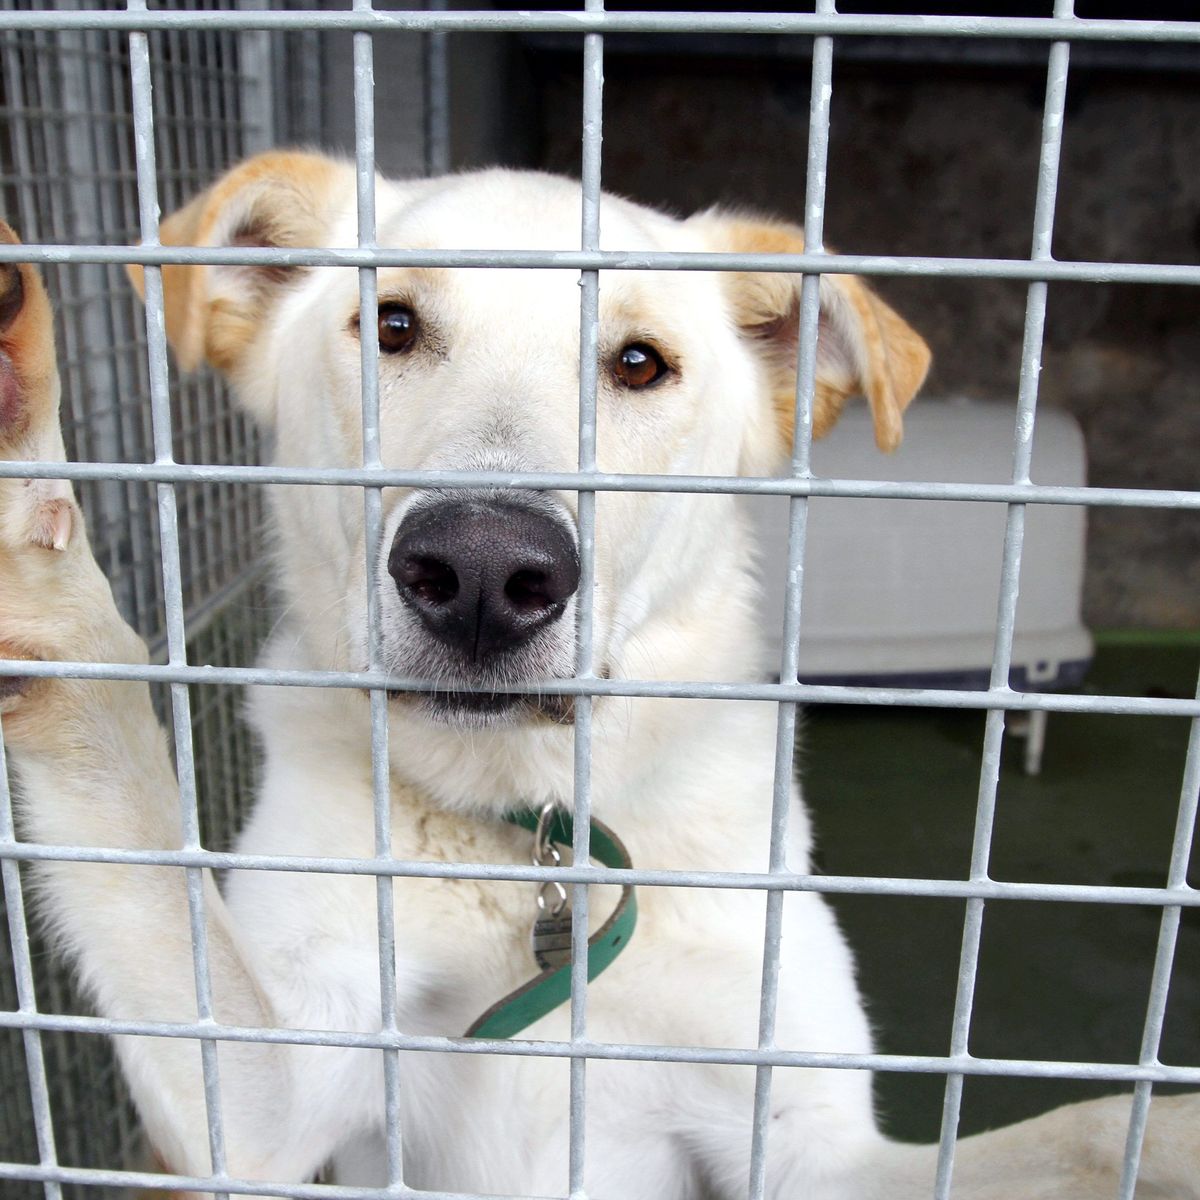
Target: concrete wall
[489,118]
[942,161]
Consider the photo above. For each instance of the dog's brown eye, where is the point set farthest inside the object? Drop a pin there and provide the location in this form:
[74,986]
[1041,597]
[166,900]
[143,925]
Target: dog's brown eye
[397,328]
[639,365]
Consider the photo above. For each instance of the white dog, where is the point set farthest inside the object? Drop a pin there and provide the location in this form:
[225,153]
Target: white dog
[479,369]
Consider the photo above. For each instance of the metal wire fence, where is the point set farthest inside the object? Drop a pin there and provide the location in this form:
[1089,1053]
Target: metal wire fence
[148,448]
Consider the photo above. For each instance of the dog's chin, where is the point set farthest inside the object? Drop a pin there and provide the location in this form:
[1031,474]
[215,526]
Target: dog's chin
[470,695]
[486,709]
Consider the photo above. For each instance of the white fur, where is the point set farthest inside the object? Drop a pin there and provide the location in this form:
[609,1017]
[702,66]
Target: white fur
[686,783]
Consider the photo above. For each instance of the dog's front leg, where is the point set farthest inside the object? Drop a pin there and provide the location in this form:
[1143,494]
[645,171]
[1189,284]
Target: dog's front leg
[93,770]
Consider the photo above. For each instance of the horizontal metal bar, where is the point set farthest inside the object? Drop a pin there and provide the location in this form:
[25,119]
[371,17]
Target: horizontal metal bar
[125,1180]
[883,266]
[658,689]
[779,881]
[1140,58]
[911,1064]
[599,481]
[1073,29]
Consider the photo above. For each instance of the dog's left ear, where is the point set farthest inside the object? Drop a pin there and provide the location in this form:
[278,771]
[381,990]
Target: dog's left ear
[863,346]
[280,199]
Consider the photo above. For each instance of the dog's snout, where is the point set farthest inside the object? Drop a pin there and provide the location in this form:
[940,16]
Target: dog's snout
[484,575]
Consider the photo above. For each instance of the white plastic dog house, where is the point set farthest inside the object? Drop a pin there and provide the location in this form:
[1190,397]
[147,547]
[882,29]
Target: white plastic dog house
[904,593]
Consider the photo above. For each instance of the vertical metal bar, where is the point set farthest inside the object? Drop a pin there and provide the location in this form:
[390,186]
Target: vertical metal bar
[160,405]
[589,340]
[255,84]
[437,97]
[115,511]
[97,375]
[1010,578]
[56,74]
[1164,959]
[145,581]
[246,91]
[22,962]
[364,157]
[785,729]
[173,137]
[260,82]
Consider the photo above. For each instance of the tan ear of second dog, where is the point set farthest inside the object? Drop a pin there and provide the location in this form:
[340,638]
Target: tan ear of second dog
[28,376]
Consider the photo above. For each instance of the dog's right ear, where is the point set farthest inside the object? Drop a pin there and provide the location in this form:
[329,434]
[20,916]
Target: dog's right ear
[863,346]
[28,373]
[282,198]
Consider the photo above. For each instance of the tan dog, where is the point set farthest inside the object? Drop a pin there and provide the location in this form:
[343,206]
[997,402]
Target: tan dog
[479,370]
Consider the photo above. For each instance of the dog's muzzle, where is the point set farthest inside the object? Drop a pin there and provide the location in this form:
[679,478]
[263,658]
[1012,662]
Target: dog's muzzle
[484,575]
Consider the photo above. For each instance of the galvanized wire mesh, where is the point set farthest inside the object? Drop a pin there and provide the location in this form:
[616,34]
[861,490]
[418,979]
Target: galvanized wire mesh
[68,174]
[194,563]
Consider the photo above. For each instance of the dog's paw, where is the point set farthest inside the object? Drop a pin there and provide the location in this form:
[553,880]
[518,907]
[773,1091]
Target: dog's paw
[54,602]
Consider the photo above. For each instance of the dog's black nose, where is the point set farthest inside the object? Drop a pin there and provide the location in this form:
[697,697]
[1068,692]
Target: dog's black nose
[484,575]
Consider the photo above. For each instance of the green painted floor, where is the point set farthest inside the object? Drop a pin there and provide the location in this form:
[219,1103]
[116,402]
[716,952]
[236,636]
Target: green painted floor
[893,793]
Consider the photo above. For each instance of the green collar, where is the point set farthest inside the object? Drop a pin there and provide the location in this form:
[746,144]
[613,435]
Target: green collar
[547,990]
